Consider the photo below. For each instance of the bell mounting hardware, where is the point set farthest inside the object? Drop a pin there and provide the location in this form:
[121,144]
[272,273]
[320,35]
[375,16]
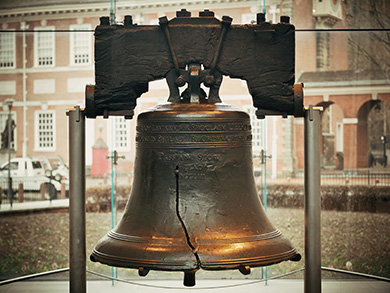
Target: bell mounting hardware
[193,203]
[193,50]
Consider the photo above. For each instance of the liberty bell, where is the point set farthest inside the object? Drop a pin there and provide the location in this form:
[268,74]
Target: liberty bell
[193,203]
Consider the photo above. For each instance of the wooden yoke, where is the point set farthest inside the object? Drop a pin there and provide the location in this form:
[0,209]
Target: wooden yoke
[129,56]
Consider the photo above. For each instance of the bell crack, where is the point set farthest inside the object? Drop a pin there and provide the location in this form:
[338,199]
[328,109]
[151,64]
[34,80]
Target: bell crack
[188,240]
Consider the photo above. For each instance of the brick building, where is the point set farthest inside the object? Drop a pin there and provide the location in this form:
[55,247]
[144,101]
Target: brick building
[46,59]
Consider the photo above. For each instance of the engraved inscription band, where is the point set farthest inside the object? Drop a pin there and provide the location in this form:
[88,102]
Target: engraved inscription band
[194,134]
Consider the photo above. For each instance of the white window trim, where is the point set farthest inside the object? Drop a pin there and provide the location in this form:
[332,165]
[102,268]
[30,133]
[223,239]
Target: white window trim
[36,62]
[76,27]
[111,138]
[339,137]
[37,148]
[252,113]
[14,51]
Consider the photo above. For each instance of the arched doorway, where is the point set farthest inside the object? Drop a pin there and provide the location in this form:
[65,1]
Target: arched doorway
[378,122]
[372,134]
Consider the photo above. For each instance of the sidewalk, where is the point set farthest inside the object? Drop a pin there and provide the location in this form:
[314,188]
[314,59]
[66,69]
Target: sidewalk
[33,206]
[290,286]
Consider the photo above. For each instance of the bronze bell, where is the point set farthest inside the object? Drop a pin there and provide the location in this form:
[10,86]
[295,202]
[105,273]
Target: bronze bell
[193,202]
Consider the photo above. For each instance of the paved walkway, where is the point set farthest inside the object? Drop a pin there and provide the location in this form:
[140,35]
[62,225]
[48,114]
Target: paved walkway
[33,206]
[290,286]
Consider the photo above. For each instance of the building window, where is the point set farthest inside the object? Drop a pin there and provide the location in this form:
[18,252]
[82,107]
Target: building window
[3,123]
[45,138]
[44,47]
[7,50]
[121,134]
[80,45]
[257,130]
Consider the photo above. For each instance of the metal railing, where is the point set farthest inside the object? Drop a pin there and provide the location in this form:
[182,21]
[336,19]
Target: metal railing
[29,191]
[345,177]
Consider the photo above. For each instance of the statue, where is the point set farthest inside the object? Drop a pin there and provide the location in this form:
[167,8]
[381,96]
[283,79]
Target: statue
[4,134]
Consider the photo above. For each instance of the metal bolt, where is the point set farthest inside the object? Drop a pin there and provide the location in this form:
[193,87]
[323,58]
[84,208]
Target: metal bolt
[180,81]
[206,13]
[104,20]
[128,20]
[183,13]
[260,17]
[163,20]
[209,80]
[227,20]
[285,19]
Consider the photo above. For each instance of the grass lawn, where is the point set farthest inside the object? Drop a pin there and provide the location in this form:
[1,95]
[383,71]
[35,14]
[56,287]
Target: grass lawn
[39,242]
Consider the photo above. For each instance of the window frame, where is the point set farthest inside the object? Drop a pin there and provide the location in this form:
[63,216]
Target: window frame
[257,130]
[37,147]
[12,32]
[113,138]
[46,30]
[78,27]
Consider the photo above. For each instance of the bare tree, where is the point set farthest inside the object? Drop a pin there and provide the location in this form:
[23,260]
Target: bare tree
[370,47]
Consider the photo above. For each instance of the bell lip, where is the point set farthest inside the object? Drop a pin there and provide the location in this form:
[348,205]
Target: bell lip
[177,265]
[291,255]
[133,263]
[251,262]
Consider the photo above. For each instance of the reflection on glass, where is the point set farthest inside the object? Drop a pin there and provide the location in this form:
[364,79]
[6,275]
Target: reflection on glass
[343,59]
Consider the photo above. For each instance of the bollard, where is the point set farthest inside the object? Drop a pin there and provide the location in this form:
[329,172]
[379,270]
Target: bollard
[21,192]
[63,191]
[43,191]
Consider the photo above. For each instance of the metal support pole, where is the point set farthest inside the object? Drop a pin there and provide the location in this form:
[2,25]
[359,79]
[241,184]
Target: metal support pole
[77,249]
[312,201]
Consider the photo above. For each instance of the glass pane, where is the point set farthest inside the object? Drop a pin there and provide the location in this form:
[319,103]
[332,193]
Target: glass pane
[344,65]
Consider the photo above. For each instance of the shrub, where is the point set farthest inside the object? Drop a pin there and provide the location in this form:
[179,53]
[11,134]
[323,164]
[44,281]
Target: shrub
[356,198]
[98,198]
